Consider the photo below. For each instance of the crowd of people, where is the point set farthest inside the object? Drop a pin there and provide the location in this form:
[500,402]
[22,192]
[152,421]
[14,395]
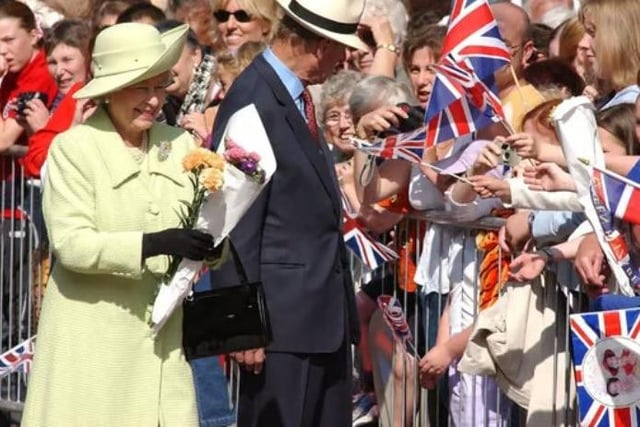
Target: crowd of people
[93,94]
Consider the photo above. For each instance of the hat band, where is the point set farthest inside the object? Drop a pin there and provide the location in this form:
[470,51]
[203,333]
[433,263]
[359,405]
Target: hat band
[320,21]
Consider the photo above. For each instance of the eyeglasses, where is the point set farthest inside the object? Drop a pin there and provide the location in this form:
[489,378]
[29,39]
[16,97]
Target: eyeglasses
[239,15]
[333,118]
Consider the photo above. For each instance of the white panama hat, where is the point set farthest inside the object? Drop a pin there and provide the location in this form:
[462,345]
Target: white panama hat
[334,19]
[129,53]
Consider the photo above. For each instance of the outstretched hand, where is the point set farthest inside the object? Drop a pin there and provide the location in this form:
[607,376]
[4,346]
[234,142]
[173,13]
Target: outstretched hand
[487,187]
[379,120]
[548,177]
[527,266]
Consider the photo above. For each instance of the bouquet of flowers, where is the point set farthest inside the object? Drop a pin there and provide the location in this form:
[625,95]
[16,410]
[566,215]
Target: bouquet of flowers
[226,184]
[206,174]
[249,163]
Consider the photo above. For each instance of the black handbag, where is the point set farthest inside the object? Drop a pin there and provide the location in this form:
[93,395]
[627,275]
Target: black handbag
[225,320]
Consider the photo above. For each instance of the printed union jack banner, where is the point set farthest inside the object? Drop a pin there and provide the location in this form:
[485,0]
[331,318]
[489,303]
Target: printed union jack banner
[613,198]
[18,357]
[394,317]
[606,357]
[371,252]
[620,198]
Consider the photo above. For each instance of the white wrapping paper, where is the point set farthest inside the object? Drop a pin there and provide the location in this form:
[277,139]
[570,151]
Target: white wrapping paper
[222,210]
[577,129]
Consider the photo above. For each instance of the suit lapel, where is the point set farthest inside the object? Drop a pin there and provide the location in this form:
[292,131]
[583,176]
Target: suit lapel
[314,151]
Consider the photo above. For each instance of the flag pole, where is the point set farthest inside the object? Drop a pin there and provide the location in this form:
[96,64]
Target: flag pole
[516,81]
[507,126]
[611,173]
[442,171]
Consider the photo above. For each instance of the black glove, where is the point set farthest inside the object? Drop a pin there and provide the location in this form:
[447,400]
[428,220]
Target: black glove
[191,244]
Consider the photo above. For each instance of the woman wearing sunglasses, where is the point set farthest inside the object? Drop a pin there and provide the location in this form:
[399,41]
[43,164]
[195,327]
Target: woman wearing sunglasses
[241,21]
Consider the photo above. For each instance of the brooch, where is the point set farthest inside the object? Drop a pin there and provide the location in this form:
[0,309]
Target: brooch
[163,150]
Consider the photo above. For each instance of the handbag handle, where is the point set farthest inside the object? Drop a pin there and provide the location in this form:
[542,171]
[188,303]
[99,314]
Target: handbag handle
[236,261]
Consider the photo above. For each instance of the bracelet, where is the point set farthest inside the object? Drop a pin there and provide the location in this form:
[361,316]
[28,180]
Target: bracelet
[390,47]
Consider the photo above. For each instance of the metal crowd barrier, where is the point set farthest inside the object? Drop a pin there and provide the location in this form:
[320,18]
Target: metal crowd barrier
[429,407]
[22,276]
[401,401]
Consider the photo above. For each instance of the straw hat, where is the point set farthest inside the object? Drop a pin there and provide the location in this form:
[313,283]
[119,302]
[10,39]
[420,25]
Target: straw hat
[334,19]
[129,53]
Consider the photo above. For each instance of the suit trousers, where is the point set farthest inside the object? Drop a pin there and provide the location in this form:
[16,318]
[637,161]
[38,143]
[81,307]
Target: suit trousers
[298,390]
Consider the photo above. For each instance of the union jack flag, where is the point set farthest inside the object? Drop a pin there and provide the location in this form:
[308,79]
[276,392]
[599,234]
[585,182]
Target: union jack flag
[619,197]
[595,338]
[18,357]
[371,252]
[463,98]
[406,146]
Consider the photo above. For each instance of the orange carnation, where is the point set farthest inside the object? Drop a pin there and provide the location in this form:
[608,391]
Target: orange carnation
[211,178]
[200,158]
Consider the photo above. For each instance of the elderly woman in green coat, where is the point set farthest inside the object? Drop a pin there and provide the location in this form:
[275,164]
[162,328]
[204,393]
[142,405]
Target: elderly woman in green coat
[112,192]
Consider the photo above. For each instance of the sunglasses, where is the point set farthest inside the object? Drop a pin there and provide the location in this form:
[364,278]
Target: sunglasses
[239,15]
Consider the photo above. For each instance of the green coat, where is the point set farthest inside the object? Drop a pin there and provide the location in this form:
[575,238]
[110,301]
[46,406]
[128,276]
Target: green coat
[96,363]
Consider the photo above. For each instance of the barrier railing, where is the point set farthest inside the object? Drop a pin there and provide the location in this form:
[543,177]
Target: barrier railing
[22,270]
[401,401]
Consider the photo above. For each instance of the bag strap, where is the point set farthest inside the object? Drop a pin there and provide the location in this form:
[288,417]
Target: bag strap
[238,263]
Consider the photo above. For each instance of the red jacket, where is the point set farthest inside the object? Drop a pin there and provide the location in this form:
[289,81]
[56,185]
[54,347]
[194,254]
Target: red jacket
[40,141]
[34,77]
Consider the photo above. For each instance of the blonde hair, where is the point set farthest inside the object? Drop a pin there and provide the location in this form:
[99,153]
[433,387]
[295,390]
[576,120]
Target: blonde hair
[570,36]
[263,9]
[617,41]
[235,63]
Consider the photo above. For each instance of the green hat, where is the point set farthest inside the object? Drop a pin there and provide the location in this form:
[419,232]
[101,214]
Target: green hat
[129,53]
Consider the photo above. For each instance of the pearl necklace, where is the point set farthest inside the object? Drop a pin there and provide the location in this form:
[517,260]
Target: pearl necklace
[139,153]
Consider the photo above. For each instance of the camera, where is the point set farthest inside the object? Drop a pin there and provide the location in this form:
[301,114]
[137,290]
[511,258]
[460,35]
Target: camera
[507,155]
[367,37]
[24,97]
[411,123]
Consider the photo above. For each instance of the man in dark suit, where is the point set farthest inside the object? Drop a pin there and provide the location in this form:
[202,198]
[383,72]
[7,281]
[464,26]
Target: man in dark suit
[291,238]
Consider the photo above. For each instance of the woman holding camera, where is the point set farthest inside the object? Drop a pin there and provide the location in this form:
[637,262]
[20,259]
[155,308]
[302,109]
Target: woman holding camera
[67,50]
[112,193]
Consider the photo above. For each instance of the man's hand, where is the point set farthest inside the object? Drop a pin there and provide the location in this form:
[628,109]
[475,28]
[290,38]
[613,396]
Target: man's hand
[251,360]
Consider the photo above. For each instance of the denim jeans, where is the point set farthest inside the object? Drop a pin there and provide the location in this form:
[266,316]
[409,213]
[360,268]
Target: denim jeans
[212,394]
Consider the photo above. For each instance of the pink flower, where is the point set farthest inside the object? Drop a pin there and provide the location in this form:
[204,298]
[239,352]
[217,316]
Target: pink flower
[229,143]
[234,154]
[254,157]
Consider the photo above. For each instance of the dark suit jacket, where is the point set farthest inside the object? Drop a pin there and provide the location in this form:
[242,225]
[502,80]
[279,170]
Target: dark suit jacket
[291,238]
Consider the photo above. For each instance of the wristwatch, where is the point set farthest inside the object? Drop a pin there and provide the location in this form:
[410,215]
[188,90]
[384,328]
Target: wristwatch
[390,47]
